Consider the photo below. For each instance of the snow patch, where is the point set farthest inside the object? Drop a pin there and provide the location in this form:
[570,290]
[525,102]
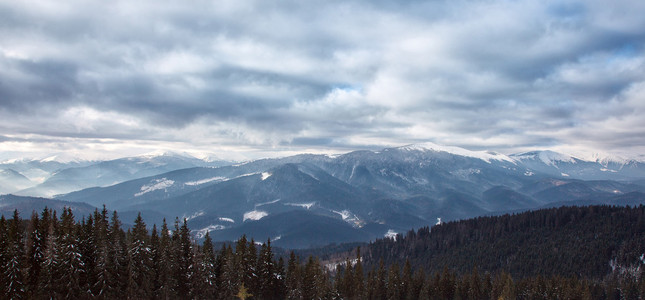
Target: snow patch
[156,184]
[350,218]
[202,232]
[549,158]
[528,173]
[304,205]
[226,220]
[391,234]
[486,156]
[608,170]
[276,238]
[266,175]
[265,203]
[564,174]
[254,215]
[207,180]
[195,215]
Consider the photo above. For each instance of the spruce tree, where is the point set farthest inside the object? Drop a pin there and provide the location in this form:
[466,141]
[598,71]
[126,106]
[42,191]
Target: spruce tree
[293,279]
[71,265]
[117,260]
[266,273]
[101,240]
[47,282]
[207,279]
[4,254]
[34,256]
[15,288]
[167,263]
[140,278]
[394,283]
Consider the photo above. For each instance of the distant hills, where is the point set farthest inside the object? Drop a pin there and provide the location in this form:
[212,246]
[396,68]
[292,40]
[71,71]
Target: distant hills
[311,200]
[53,176]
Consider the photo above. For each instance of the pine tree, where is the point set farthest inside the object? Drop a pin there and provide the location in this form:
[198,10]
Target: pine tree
[116,260]
[140,277]
[359,276]
[4,254]
[204,277]
[15,288]
[88,249]
[155,258]
[381,281]
[100,235]
[167,263]
[49,274]
[184,263]
[293,281]
[347,284]
[223,273]
[34,256]
[266,273]
[406,280]
[71,265]
[394,283]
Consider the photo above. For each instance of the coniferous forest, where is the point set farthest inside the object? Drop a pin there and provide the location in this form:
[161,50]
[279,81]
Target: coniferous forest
[575,253]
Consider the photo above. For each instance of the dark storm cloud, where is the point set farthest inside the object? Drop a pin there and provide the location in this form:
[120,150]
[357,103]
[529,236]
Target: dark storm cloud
[482,74]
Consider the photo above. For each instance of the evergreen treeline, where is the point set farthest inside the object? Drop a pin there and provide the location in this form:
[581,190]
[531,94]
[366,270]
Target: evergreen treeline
[50,257]
[585,242]
[57,257]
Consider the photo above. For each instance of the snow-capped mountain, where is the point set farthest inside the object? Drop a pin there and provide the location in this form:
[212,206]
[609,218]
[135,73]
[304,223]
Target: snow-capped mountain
[75,175]
[306,200]
[599,168]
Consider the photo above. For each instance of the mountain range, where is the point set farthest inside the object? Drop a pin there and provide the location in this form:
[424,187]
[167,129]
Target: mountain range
[312,200]
[59,175]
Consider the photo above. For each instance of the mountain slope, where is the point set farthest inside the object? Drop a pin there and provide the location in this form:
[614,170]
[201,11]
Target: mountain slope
[376,192]
[106,173]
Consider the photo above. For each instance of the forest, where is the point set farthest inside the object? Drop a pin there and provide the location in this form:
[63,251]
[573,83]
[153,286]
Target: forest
[60,257]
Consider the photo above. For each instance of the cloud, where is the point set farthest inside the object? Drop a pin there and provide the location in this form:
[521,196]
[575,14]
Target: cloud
[291,76]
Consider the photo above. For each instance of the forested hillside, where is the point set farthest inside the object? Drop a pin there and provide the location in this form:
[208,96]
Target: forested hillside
[586,242]
[95,258]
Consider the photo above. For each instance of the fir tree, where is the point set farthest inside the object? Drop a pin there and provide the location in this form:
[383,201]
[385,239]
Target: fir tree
[71,266]
[15,288]
[116,265]
[4,254]
[34,256]
[293,281]
[140,277]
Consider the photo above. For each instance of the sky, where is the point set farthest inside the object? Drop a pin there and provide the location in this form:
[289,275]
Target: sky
[249,79]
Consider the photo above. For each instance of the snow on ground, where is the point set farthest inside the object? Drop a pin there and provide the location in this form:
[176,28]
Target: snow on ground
[564,174]
[345,214]
[265,203]
[350,218]
[486,156]
[207,180]
[202,232]
[304,205]
[391,234]
[265,175]
[226,220]
[254,215]
[156,184]
[195,215]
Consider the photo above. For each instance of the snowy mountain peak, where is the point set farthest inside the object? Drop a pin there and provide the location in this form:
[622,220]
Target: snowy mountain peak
[164,153]
[548,157]
[63,158]
[486,156]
